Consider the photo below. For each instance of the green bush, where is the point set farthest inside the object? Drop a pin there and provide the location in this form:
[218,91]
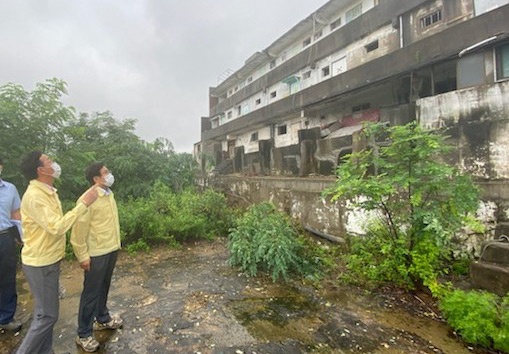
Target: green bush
[265,240]
[139,245]
[168,217]
[375,259]
[479,317]
[420,202]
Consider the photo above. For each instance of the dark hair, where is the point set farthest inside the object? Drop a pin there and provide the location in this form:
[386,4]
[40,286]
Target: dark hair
[1,162]
[30,163]
[94,170]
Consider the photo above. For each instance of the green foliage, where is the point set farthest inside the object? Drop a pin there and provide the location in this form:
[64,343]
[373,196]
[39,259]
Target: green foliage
[29,121]
[169,217]
[38,120]
[265,240]
[377,259]
[139,245]
[420,200]
[479,317]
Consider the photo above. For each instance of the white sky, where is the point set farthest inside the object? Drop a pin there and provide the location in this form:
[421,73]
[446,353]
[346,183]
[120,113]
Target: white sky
[152,60]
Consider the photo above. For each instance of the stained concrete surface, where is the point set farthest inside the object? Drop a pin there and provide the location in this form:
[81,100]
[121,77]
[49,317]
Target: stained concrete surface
[191,301]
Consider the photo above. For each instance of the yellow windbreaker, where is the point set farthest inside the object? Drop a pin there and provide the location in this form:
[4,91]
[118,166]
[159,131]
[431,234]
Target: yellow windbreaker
[97,231]
[44,225]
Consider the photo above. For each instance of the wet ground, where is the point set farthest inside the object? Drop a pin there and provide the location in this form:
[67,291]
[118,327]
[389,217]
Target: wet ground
[191,301]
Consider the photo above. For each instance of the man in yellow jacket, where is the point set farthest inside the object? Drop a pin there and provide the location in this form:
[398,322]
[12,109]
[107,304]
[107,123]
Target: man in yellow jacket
[95,239]
[44,227]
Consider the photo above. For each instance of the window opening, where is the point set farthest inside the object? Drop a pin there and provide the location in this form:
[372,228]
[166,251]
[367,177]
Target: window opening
[372,46]
[335,24]
[281,130]
[325,71]
[353,13]
[431,19]
[502,54]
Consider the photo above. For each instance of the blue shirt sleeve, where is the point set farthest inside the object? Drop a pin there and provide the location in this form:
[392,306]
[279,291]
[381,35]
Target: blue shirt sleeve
[16,203]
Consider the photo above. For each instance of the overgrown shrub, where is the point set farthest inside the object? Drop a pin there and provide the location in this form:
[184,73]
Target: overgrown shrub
[169,217]
[265,240]
[420,202]
[376,259]
[479,317]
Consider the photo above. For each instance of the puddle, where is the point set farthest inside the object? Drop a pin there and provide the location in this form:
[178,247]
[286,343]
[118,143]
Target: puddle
[191,301]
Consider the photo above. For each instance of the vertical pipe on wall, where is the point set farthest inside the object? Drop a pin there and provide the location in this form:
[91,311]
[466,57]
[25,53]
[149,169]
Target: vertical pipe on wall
[401,44]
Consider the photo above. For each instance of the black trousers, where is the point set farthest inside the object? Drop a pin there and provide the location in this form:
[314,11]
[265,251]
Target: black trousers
[96,286]
[8,295]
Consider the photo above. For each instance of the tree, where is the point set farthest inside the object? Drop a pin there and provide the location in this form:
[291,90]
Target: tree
[38,120]
[31,120]
[420,200]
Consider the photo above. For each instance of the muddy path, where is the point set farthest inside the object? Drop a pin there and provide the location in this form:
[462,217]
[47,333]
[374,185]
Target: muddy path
[191,301]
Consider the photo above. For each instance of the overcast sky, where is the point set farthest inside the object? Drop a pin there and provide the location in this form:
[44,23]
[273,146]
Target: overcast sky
[152,60]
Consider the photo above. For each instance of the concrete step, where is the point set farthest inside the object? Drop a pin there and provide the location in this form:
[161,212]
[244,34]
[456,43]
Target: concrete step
[495,252]
[493,277]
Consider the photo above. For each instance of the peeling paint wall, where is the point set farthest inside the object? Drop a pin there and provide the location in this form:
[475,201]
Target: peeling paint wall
[478,120]
[301,198]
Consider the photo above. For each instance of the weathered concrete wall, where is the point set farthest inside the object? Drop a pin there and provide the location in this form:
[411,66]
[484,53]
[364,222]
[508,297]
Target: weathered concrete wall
[477,121]
[301,198]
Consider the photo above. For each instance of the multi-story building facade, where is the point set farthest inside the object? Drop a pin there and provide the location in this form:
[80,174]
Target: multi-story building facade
[294,108]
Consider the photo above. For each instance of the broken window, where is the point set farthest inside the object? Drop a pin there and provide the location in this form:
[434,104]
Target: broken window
[421,84]
[281,130]
[254,136]
[258,101]
[239,110]
[325,71]
[402,89]
[444,77]
[431,19]
[272,64]
[502,54]
[306,42]
[372,46]
[273,94]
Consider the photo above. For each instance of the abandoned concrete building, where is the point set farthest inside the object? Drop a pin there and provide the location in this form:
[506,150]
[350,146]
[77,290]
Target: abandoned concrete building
[295,108]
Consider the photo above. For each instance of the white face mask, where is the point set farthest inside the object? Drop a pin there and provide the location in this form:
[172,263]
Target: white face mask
[57,170]
[109,179]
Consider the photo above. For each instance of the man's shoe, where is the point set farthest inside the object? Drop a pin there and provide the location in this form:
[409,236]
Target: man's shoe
[114,323]
[13,326]
[88,344]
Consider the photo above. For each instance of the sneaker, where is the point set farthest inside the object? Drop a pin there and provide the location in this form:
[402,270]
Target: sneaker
[13,326]
[88,344]
[114,323]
